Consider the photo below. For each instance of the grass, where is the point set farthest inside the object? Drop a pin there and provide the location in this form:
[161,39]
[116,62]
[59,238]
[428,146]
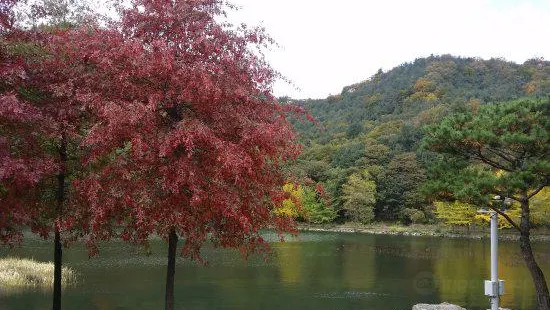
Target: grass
[18,273]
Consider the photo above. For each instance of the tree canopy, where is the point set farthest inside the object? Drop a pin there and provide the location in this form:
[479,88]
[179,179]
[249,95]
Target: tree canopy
[373,123]
[508,144]
[497,149]
[163,123]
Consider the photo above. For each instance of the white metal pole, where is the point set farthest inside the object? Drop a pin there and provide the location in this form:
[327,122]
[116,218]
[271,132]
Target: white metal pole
[494,261]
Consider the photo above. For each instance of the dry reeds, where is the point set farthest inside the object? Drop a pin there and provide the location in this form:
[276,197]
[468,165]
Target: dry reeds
[19,273]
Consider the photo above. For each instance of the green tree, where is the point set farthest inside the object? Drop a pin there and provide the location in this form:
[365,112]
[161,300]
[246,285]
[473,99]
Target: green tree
[399,186]
[376,153]
[387,132]
[347,154]
[511,138]
[336,178]
[316,170]
[360,197]
[412,216]
[316,208]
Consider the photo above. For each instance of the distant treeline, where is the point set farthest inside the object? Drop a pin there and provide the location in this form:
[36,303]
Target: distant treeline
[362,159]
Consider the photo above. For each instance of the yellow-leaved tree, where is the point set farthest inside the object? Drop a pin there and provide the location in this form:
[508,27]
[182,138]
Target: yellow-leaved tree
[291,207]
[455,213]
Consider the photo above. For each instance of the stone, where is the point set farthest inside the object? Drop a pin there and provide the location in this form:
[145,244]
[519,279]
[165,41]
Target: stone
[442,306]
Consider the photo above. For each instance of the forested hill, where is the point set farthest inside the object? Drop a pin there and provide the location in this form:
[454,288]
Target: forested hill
[419,91]
[370,132]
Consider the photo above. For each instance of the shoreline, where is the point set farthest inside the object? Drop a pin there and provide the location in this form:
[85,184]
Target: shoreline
[424,230]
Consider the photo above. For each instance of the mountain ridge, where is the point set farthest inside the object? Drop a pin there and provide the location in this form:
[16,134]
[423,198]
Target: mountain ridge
[376,126]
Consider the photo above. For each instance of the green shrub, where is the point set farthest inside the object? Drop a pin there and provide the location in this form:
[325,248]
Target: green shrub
[412,216]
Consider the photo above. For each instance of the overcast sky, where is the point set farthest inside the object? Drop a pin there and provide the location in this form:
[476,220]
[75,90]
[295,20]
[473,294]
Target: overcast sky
[326,45]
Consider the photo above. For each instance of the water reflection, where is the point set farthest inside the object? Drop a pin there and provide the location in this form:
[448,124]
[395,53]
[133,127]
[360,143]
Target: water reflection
[315,271]
[289,259]
[358,265]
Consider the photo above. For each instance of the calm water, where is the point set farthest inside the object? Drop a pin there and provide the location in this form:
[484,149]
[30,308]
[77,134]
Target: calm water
[316,271]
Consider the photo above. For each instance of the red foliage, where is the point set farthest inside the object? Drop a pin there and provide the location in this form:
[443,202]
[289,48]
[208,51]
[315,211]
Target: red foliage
[172,116]
[320,190]
[188,135]
[37,108]
[6,14]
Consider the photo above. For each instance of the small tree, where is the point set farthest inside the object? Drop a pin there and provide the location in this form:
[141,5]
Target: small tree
[360,197]
[291,206]
[510,137]
[188,141]
[42,120]
[40,123]
[315,206]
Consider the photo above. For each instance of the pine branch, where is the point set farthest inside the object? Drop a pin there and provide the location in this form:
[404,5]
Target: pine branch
[508,218]
[479,156]
[536,191]
[502,155]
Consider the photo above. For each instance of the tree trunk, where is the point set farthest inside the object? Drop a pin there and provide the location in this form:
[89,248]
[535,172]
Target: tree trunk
[171,269]
[60,199]
[57,271]
[543,297]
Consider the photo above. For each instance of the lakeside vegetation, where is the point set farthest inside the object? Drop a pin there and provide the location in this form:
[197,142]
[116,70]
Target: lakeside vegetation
[18,273]
[540,234]
[364,157]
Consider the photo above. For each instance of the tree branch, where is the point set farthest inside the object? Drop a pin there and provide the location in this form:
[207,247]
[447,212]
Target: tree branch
[508,195]
[478,155]
[536,191]
[501,154]
[513,197]
[508,218]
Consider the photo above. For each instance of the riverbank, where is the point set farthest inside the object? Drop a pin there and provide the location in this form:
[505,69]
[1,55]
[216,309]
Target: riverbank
[429,230]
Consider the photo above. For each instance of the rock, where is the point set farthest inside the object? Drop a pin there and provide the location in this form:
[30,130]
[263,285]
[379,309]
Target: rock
[442,306]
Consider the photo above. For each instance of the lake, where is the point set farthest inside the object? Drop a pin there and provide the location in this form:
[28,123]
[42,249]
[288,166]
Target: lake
[317,270]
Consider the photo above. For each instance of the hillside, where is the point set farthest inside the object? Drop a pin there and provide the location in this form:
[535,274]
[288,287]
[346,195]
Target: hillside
[367,136]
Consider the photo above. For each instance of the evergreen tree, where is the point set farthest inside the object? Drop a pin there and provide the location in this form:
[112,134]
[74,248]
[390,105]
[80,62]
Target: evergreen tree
[497,149]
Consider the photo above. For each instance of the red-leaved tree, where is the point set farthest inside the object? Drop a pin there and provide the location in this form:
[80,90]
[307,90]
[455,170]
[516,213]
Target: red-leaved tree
[187,139]
[43,123]
[41,126]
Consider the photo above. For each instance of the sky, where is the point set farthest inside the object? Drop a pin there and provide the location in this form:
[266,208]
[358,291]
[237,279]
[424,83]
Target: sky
[326,45]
